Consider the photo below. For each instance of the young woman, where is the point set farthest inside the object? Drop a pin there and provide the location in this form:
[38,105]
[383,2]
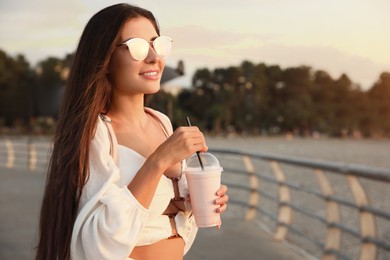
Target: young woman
[114,188]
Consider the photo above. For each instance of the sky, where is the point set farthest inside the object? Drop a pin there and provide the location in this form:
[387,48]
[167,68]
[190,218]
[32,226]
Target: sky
[348,36]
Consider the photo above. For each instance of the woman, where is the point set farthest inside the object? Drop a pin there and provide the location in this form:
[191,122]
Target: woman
[114,189]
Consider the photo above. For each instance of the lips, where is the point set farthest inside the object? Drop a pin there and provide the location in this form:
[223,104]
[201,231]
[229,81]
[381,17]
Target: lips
[152,74]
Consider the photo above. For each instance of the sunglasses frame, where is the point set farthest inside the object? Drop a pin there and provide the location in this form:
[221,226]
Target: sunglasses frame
[150,43]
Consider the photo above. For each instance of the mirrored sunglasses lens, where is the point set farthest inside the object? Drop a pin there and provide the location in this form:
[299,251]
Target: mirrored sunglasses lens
[138,48]
[162,45]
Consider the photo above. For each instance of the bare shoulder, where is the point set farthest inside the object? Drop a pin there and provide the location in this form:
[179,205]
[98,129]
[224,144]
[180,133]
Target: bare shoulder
[162,117]
[158,114]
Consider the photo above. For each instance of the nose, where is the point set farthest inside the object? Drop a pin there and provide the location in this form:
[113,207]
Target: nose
[152,55]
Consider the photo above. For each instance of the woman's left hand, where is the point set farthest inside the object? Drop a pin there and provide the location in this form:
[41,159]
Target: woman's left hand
[222,199]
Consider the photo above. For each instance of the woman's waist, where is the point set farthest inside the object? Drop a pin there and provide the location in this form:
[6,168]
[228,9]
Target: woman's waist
[164,249]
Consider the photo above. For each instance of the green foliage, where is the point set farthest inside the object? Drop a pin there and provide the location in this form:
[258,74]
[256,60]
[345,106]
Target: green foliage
[379,105]
[28,93]
[256,98]
[16,83]
[248,98]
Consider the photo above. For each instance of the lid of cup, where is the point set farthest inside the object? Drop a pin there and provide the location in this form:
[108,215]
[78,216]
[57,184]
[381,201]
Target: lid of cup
[209,161]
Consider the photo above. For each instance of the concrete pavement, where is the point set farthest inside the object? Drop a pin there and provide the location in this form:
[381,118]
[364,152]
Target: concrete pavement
[20,196]
[238,240]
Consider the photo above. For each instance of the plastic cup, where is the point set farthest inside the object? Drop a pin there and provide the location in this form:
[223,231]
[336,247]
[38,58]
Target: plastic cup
[202,186]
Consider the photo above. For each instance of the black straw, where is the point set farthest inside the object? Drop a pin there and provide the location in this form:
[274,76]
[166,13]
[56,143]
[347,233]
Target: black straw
[197,153]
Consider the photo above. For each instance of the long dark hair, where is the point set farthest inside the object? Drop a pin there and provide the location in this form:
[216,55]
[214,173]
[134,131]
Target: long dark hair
[87,94]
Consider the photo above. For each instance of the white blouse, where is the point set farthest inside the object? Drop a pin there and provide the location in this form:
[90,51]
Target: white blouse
[110,220]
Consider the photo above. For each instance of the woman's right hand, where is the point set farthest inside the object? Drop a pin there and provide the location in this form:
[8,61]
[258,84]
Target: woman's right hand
[185,141]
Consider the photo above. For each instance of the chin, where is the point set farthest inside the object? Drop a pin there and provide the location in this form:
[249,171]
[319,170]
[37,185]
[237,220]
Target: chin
[153,90]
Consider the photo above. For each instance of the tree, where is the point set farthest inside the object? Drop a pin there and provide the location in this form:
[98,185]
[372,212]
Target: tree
[322,96]
[379,96]
[247,98]
[51,77]
[295,96]
[16,83]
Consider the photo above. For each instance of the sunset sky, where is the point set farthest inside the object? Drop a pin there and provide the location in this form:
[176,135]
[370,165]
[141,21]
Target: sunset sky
[348,36]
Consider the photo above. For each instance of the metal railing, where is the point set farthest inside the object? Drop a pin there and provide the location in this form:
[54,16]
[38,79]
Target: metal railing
[34,155]
[24,153]
[330,245]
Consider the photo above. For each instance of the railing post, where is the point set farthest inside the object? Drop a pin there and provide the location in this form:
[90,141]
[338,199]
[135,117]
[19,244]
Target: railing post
[333,234]
[32,157]
[285,212]
[253,198]
[366,219]
[10,153]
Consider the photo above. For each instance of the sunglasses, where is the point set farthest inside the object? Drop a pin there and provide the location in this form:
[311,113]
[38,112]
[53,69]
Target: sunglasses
[139,48]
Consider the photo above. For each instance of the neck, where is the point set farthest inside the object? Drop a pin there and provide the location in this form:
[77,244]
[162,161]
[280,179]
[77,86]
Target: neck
[128,109]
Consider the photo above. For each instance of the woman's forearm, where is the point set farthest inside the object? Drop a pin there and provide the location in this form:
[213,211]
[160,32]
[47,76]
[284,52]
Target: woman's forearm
[145,182]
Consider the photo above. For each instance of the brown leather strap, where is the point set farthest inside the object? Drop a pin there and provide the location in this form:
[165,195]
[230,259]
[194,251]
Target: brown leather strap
[173,226]
[175,182]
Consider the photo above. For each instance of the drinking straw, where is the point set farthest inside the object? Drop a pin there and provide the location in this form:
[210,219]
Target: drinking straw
[197,153]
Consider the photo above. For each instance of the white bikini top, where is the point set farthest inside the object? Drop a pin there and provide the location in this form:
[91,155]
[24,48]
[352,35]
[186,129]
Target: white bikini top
[158,226]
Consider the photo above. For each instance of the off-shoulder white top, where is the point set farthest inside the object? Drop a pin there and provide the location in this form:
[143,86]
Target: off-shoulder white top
[110,220]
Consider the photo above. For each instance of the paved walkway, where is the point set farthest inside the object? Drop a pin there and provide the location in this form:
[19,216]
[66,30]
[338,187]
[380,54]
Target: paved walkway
[238,240]
[20,196]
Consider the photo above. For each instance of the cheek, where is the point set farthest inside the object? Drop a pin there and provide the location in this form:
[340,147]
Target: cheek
[117,62]
[162,62]
[120,69]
